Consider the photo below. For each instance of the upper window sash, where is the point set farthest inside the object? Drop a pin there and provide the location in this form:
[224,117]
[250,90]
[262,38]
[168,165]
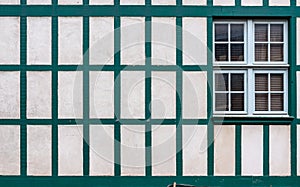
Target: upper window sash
[249,44]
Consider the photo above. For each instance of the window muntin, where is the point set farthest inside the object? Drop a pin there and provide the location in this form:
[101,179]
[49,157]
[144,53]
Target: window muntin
[229,44]
[264,67]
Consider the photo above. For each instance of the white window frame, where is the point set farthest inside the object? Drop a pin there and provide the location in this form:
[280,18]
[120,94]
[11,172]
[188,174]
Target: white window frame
[251,67]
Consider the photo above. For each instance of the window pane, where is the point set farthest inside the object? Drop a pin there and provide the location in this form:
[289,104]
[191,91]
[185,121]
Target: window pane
[261,32]
[276,82]
[221,32]
[237,82]
[237,32]
[237,52]
[221,81]
[221,52]
[237,102]
[276,102]
[221,102]
[276,52]
[261,82]
[276,33]
[261,102]
[261,52]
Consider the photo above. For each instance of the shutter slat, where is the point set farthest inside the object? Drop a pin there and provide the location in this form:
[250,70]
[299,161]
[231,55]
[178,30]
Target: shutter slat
[261,82]
[276,102]
[276,82]
[261,52]
[276,33]
[261,102]
[221,102]
[276,52]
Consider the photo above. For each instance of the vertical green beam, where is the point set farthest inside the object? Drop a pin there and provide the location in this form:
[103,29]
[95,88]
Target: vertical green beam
[238,131]
[117,93]
[54,92]
[266,149]
[148,96]
[237,3]
[23,92]
[210,125]
[209,2]
[266,3]
[179,95]
[86,94]
[293,92]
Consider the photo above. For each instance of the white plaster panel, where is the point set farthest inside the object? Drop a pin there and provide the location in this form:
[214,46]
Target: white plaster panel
[298,92]
[102,150]
[101,2]
[224,2]
[101,49]
[280,152]
[279,2]
[9,94]
[70,40]
[194,46]
[163,102]
[298,40]
[9,2]
[163,2]
[133,150]
[132,2]
[298,150]
[101,94]
[10,150]
[194,2]
[70,94]
[252,150]
[69,2]
[10,40]
[224,155]
[39,2]
[163,150]
[132,94]
[252,2]
[133,40]
[39,40]
[163,41]
[194,150]
[39,94]
[298,2]
[39,150]
[70,157]
[194,95]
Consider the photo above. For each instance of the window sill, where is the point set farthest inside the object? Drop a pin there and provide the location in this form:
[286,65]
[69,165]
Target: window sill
[252,120]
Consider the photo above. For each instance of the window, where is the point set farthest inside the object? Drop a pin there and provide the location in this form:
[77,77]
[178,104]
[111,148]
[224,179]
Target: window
[250,67]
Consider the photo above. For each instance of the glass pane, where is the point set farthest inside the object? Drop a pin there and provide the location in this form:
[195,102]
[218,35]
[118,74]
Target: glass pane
[261,52]
[261,32]
[276,33]
[261,102]
[276,102]
[221,81]
[237,32]
[221,32]
[276,52]
[221,102]
[276,82]
[221,52]
[261,82]
[237,102]
[237,52]
[237,82]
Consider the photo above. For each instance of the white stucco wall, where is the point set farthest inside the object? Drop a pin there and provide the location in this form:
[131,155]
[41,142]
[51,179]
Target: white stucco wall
[9,2]
[223,2]
[39,2]
[252,2]
[279,2]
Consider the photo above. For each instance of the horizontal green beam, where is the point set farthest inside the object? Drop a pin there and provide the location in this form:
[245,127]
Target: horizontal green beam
[102,121]
[103,68]
[145,10]
[105,181]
